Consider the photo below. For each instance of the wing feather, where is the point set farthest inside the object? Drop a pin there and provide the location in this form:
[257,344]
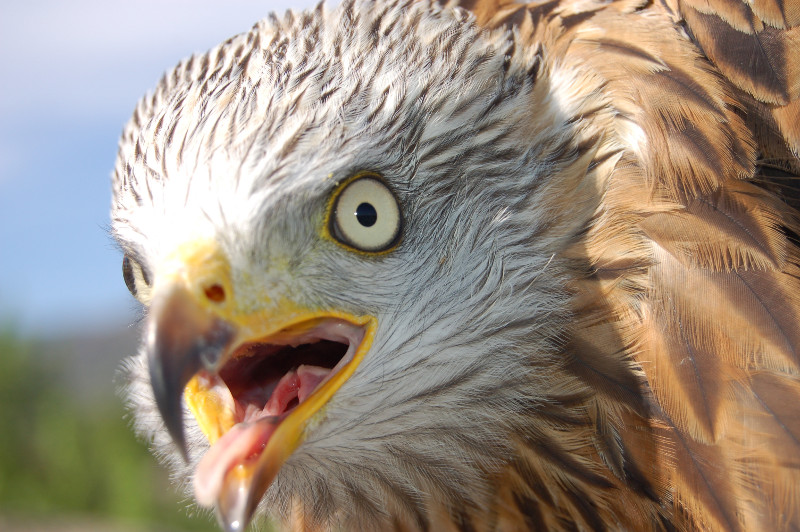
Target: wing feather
[761,61]
[686,279]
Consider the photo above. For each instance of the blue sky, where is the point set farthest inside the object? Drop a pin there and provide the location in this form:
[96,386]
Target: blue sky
[70,75]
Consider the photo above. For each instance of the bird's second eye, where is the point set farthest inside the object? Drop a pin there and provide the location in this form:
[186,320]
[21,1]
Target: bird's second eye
[366,215]
[136,279]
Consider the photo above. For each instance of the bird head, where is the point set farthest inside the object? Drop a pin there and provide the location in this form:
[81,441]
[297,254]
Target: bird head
[342,226]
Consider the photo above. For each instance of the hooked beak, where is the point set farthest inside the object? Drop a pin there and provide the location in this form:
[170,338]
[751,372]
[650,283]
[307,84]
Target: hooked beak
[183,338]
[254,378]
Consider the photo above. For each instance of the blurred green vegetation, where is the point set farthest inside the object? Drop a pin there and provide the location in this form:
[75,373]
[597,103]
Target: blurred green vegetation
[61,457]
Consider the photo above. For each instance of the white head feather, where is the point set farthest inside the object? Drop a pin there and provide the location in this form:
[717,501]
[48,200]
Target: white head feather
[244,144]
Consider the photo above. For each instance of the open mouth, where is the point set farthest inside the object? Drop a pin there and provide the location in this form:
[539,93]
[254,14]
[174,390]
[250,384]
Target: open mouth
[266,379]
[263,383]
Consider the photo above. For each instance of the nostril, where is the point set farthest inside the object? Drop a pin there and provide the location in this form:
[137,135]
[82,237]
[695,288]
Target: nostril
[215,293]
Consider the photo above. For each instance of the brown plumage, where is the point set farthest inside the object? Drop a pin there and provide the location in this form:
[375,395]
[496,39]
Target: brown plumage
[661,388]
[687,281]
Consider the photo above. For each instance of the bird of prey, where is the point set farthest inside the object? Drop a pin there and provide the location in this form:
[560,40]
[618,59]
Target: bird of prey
[482,266]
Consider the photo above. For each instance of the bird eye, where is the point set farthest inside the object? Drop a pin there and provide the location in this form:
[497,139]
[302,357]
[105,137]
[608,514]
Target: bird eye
[366,215]
[136,279]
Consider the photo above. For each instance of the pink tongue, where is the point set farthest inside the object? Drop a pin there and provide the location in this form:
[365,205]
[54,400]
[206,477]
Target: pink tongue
[295,385]
[235,447]
[246,440]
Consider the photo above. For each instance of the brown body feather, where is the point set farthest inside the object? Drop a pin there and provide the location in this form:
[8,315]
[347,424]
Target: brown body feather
[683,408]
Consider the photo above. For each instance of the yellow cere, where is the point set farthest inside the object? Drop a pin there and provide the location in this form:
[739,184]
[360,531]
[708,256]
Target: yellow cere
[197,263]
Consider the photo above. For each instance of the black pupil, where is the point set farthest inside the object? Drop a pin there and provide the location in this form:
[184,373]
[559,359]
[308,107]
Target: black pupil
[366,214]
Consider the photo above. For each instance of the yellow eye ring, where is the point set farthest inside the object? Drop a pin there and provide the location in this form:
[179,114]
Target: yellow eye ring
[366,215]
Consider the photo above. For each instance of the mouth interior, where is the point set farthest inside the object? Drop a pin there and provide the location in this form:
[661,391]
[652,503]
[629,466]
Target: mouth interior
[271,380]
[244,403]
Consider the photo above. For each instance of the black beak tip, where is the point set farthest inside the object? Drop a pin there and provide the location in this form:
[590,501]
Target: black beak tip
[168,399]
[176,432]
[180,442]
